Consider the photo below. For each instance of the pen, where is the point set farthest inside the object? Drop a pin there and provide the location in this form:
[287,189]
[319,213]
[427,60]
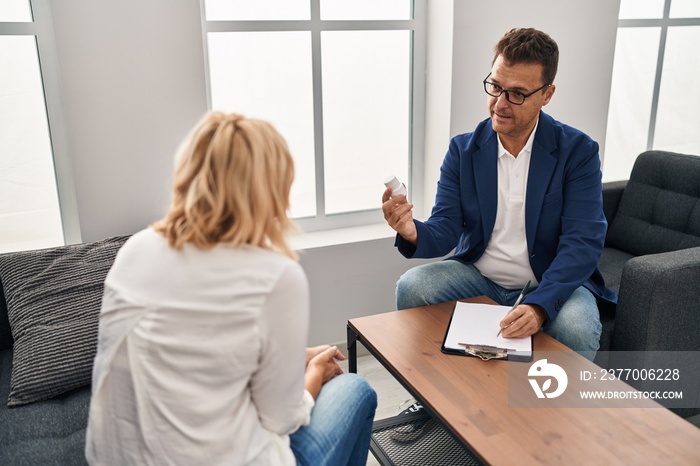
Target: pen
[517,303]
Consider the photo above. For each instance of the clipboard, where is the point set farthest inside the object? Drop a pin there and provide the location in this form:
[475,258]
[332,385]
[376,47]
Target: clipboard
[472,332]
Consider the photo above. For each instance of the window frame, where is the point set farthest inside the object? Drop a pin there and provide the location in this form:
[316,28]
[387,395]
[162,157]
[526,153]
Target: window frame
[417,27]
[665,22]
[41,27]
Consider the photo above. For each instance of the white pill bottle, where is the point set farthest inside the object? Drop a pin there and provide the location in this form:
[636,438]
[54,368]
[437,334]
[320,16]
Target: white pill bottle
[396,186]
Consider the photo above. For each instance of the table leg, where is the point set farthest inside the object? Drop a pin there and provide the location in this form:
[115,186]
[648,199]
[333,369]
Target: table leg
[352,350]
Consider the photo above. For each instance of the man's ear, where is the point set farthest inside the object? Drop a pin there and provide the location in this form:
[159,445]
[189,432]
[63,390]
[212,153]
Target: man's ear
[548,93]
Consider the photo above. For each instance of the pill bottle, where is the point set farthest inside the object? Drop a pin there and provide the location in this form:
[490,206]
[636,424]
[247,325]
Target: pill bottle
[395,185]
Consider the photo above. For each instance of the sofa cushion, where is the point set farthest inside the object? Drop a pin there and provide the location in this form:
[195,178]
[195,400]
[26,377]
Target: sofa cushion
[611,264]
[5,333]
[659,210]
[47,433]
[53,300]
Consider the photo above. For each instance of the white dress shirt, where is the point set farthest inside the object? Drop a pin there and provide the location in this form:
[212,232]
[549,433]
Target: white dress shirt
[200,357]
[506,260]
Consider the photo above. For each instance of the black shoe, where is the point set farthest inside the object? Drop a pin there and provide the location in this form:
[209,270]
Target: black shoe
[414,408]
[413,429]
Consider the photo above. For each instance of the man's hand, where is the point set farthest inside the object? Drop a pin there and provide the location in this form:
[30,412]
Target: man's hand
[398,213]
[523,321]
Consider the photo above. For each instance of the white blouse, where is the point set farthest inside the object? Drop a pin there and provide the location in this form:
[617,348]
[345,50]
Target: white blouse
[200,357]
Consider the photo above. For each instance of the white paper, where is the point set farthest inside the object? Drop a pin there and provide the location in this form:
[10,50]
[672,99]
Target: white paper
[477,324]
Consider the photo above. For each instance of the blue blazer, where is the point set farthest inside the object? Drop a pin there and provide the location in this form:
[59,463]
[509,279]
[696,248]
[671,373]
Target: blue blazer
[564,222]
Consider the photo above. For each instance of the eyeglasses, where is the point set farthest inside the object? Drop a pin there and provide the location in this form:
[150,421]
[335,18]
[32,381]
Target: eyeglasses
[514,97]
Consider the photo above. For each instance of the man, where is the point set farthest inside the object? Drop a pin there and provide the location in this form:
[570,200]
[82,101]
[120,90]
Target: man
[520,199]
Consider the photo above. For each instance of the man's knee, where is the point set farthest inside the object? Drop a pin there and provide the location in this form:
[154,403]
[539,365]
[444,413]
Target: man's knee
[578,324]
[410,289]
[437,282]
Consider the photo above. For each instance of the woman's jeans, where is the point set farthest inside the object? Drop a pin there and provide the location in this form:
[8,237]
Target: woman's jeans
[341,425]
[577,325]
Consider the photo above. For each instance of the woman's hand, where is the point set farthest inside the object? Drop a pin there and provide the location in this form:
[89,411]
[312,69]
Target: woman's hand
[321,366]
[315,351]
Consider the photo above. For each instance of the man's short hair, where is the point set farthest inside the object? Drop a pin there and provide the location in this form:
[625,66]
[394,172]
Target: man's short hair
[528,45]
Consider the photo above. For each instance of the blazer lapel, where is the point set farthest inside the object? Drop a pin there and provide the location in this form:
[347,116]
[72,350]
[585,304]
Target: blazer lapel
[542,165]
[485,173]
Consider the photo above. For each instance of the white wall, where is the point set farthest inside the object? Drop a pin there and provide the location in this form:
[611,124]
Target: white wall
[133,83]
[132,73]
[468,31]
[351,280]
[438,95]
[585,32]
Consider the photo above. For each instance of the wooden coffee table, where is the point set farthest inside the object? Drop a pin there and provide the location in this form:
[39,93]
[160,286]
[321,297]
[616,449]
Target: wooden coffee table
[469,397]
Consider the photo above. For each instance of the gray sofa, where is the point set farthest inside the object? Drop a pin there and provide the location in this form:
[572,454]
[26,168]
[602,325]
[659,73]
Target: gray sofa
[652,259]
[49,303]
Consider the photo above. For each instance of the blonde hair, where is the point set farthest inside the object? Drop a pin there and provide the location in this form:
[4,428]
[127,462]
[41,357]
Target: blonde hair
[231,185]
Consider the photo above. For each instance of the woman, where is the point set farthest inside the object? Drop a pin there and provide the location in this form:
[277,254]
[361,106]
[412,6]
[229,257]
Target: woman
[204,320]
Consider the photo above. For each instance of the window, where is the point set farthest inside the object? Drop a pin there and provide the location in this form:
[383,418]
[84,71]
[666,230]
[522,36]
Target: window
[30,213]
[340,80]
[653,99]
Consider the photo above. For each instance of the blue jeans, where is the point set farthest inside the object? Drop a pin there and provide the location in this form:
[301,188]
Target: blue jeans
[577,325]
[341,425]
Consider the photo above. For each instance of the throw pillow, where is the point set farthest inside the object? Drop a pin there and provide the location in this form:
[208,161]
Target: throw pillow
[53,300]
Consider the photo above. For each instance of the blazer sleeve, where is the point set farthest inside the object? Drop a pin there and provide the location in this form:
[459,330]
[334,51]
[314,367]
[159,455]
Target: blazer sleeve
[440,234]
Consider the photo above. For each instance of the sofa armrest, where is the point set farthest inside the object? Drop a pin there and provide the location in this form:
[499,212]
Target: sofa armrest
[657,315]
[658,307]
[612,193]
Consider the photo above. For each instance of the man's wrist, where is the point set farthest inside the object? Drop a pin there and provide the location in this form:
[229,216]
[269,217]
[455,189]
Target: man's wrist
[412,238]
[540,312]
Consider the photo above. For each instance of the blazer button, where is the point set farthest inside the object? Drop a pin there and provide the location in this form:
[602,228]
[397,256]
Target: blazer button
[558,305]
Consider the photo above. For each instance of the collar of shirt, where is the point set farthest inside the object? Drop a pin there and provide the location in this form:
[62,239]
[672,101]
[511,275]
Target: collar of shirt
[528,145]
